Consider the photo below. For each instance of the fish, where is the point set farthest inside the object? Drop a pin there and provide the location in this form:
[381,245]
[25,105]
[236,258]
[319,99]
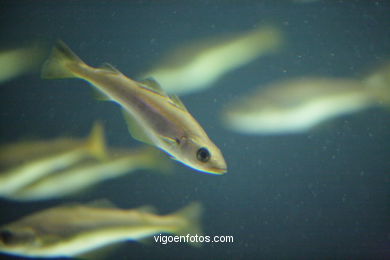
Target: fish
[85,174]
[378,81]
[75,229]
[153,116]
[17,61]
[195,66]
[24,162]
[297,105]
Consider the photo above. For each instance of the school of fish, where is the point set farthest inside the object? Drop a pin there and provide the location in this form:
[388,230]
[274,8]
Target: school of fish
[63,167]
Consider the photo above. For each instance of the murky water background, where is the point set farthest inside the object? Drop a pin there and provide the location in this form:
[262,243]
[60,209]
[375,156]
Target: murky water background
[323,194]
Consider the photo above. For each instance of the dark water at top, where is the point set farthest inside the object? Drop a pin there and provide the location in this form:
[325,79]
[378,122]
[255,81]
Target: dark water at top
[320,195]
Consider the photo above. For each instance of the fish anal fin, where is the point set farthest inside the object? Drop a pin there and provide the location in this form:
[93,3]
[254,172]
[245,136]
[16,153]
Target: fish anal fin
[136,131]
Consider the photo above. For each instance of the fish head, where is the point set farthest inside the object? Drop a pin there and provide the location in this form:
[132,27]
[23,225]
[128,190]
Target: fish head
[201,155]
[16,239]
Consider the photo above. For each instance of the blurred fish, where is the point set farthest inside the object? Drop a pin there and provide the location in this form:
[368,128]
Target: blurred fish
[71,230]
[153,117]
[297,105]
[86,174]
[25,162]
[198,65]
[19,61]
[378,81]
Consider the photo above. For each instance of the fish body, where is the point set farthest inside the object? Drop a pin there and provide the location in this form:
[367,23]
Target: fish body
[297,105]
[75,229]
[196,66]
[18,61]
[83,175]
[26,166]
[153,116]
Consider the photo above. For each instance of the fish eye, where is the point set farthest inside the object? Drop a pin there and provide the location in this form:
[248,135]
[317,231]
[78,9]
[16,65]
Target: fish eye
[6,236]
[203,155]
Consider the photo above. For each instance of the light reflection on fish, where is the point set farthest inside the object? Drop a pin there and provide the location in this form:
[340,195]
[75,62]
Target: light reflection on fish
[153,117]
[75,229]
[196,66]
[23,163]
[89,173]
[297,105]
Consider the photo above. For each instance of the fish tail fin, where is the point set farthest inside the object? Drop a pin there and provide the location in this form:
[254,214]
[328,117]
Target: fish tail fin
[60,62]
[378,83]
[191,216]
[96,142]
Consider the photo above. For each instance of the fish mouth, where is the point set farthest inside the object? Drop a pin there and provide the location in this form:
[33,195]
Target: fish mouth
[217,171]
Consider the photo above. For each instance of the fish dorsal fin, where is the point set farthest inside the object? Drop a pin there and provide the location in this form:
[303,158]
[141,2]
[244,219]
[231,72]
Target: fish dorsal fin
[177,102]
[153,85]
[108,67]
[136,131]
[101,203]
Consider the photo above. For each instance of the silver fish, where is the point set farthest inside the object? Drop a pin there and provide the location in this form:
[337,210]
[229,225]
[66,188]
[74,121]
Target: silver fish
[86,174]
[71,230]
[25,162]
[297,105]
[193,67]
[153,116]
[18,61]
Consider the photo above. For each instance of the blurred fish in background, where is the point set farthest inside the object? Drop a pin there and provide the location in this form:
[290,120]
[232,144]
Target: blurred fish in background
[24,162]
[74,229]
[378,81]
[87,173]
[198,65]
[15,62]
[297,105]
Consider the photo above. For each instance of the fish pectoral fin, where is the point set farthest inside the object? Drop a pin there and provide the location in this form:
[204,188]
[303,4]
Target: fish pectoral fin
[170,141]
[136,131]
[152,85]
[175,100]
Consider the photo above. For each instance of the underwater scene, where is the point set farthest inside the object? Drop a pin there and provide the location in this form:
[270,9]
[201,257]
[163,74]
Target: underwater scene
[210,129]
